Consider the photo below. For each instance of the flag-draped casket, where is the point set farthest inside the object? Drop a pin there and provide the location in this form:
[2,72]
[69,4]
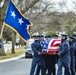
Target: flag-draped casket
[53,46]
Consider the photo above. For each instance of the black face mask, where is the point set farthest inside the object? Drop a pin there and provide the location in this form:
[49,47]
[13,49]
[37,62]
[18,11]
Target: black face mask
[36,40]
[62,40]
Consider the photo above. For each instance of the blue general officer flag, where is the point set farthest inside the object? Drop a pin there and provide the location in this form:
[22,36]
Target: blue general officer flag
[15,20]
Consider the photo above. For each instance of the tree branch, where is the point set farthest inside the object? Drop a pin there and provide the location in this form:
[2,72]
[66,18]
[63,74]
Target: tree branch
[31,5]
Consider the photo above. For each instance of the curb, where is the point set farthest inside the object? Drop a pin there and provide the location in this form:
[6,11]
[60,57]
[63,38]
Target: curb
[10,59]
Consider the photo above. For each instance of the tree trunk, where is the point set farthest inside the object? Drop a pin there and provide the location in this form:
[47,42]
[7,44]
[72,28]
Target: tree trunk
[2,52]
[13,42]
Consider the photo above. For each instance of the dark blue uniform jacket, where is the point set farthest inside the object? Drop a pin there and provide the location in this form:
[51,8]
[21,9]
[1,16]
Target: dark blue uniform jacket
[37,59]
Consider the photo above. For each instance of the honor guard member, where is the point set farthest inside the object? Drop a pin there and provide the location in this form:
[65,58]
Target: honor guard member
[37,57]
[41,37]
[72,49]
[55,36]
[74,35]
[47,57]
[48,38]
[42,42]
[64,56]
[53,59]
[75,54]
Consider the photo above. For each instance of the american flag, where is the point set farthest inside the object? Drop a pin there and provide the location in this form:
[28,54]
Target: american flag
[53,45]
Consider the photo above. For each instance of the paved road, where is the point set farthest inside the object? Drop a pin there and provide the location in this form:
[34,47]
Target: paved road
[16,67]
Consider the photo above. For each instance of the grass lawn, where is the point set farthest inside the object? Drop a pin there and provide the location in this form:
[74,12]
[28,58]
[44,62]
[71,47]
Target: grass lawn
[18,51]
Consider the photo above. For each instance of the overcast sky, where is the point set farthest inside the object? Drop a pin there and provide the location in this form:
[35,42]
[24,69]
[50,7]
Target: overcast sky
[69,5]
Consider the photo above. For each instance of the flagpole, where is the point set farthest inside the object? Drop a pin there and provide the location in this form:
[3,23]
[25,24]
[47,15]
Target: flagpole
[2,31]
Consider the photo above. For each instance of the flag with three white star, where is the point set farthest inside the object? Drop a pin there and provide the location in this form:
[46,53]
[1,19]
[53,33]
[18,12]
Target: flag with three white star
[16,20]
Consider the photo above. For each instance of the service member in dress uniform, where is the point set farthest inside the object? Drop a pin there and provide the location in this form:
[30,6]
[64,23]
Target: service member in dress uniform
[74,35]
[42,42]
[72,49]
[37,57]
[47,57]
[64,56]
[53,59]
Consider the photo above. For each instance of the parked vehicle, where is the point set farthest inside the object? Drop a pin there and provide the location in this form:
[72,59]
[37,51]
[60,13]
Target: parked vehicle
[28,50]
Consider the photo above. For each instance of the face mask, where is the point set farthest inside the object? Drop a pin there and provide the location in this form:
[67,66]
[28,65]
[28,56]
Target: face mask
[62,40]
[36,40]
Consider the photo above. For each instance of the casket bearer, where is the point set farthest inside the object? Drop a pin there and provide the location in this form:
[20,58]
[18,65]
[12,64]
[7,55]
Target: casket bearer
[72,49]
[74,35]
[44,44]
[47,57]
[64,56]
[37,57]
[54,59]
